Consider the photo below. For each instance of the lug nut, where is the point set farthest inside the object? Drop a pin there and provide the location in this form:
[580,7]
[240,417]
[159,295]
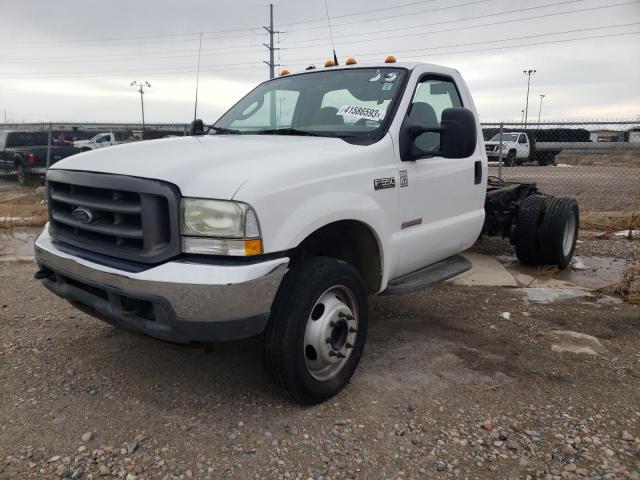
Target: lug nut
[348,345]
[352,330]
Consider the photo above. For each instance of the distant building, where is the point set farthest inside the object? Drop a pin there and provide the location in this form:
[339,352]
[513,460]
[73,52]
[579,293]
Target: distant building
[633,135]
[607,136]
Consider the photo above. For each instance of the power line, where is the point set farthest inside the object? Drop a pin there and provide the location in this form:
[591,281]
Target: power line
[136,56]
[466,27]
[388,17]
[137,37]
[508,39]
[425,52]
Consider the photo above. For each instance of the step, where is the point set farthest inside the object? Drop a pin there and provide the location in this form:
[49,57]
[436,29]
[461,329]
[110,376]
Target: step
[428,276]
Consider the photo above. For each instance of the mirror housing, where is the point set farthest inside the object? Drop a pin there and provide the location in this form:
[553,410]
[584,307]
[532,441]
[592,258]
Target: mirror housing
[196,127]
[458,136]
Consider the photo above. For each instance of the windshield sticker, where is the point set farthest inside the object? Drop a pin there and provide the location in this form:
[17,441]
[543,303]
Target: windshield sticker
[387,86]
[361,112]
[376,77]
[390,77]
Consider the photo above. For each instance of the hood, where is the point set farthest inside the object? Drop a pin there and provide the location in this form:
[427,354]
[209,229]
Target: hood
[82,142]
[210,166]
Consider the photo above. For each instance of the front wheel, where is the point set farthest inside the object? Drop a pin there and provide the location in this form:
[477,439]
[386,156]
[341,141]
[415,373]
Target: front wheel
[317,330]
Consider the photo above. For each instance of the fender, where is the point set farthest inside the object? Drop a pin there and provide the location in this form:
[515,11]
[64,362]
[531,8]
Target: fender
[321,210]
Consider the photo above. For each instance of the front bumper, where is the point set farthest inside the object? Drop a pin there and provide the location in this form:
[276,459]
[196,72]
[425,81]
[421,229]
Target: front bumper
[180,301]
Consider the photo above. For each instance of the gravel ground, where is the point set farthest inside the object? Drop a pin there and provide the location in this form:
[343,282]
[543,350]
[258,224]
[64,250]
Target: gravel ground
[450,386]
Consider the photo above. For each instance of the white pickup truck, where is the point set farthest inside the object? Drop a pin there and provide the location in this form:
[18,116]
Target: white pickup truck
[313,192]
[517,148]
[99,141]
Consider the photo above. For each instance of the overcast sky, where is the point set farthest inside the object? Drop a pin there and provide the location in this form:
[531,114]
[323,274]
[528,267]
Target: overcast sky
[74,60]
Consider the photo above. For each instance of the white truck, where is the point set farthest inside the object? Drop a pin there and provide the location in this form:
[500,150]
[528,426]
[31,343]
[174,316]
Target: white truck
[313,192]
[99,141]
[518,148]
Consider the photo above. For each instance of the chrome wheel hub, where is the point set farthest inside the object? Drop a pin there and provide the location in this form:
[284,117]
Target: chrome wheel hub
[331,333]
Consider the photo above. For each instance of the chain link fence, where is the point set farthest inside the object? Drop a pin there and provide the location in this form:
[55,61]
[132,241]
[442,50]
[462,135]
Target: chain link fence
[598,163]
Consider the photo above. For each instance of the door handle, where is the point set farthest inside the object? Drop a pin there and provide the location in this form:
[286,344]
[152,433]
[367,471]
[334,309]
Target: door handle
[477,167]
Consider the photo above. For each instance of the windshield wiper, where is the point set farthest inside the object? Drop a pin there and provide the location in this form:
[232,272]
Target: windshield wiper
[287,131]
[224,130]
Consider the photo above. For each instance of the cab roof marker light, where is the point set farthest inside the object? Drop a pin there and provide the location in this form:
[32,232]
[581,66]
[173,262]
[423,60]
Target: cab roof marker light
[390,59]
[284,72]
[329,63]
[311,67]
[351,61]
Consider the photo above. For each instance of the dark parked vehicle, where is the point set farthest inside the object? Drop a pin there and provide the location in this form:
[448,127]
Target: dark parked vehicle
[26,153]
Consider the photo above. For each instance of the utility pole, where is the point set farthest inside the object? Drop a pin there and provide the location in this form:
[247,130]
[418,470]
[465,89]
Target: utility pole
[271,47]
[272,66]
[142,85]
[542,95]
[528,73]
[522,117]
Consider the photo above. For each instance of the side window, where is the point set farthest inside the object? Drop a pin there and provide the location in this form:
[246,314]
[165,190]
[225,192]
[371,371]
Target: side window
[523,139]
[431,98]
[275,110]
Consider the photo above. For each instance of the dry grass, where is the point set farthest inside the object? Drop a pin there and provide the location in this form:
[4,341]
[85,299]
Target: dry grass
[626,158]
[22,207]
[629,288]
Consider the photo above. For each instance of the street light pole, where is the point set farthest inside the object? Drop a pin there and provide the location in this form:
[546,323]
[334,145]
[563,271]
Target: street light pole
[542,95]
[522,117]
[528,73]
[142,85]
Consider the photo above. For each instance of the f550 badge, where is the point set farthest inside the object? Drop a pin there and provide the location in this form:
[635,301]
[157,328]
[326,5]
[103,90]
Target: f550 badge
[382,183]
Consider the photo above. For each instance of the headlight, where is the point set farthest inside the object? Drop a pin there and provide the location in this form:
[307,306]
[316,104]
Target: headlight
[228,228]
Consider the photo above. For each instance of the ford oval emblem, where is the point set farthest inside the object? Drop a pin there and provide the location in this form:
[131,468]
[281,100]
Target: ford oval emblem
[83,215]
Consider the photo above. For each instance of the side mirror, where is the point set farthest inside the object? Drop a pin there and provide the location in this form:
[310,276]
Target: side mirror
[196,127]
[458,136]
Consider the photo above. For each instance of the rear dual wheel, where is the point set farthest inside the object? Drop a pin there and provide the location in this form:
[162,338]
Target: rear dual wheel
[547,230]
[317,330]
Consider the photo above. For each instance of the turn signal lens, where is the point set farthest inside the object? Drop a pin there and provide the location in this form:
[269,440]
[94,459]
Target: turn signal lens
[252,247]
[390,59]
[221,246]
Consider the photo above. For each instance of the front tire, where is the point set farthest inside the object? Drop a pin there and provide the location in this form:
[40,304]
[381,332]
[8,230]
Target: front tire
[317,330]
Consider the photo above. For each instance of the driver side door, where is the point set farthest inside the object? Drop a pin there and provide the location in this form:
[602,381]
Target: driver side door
[441,199]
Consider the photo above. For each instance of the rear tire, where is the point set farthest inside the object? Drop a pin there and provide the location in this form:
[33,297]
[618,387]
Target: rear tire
[530,214]
[310,327]
[24,178]
[559,232]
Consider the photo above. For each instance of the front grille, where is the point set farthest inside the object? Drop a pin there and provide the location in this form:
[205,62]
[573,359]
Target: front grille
[124,217]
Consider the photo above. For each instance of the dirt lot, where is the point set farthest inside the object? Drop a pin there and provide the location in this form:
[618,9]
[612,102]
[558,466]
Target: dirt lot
[456,382]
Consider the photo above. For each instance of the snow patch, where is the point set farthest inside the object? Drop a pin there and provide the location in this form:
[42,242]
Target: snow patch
[549,295]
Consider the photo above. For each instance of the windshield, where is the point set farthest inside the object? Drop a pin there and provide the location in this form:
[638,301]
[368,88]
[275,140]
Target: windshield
[506,137]
[339,103]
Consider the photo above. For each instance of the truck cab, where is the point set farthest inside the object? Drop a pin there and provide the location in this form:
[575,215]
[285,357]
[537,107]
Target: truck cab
[515,148]
[314,191]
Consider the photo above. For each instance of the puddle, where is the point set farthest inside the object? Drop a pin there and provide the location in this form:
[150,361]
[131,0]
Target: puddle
[549,294]
[595,272]
[18,242]
[587,272]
